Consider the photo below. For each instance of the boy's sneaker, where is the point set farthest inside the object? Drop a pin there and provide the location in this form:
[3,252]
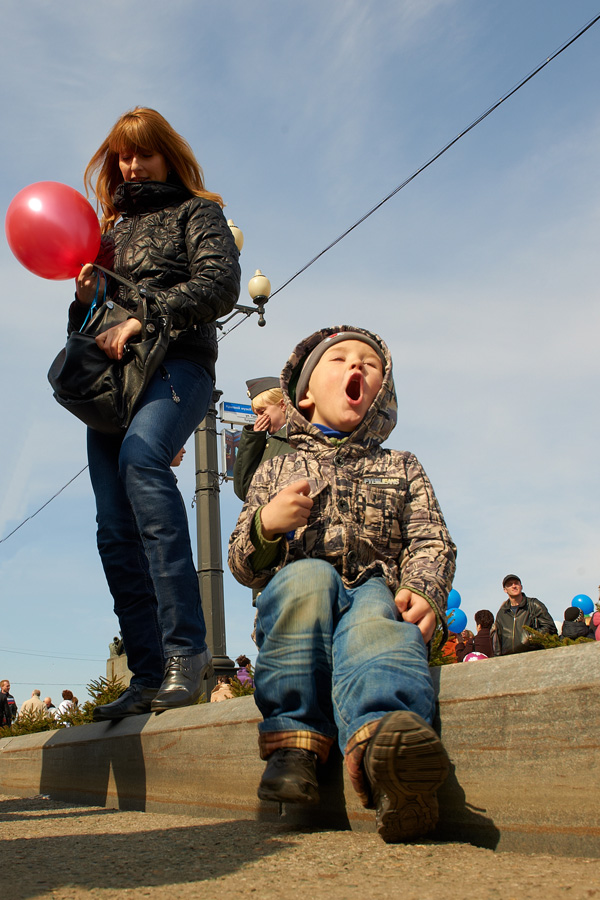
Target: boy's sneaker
[405,763]
[290,777]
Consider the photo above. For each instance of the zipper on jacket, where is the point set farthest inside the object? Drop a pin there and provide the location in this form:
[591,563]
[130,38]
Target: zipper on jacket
[128,240]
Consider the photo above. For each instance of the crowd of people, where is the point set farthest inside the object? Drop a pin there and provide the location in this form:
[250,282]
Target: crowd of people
[506,633]
[34,706]
[243,676]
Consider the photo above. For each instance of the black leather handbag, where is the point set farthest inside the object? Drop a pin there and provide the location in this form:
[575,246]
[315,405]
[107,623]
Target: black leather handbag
[100,391]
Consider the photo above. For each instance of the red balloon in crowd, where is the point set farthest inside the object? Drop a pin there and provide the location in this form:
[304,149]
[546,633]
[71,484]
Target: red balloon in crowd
[52,230]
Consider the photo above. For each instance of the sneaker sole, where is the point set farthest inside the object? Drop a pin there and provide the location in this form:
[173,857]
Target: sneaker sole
[407,763]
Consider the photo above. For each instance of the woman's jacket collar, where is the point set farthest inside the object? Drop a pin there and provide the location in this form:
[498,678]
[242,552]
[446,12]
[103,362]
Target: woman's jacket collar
[137,197]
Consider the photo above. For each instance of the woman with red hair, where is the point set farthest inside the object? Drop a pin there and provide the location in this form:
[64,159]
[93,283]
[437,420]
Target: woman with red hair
[165,232]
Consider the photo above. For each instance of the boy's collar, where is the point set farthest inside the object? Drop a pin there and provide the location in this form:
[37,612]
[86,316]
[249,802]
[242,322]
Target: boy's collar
[331,432]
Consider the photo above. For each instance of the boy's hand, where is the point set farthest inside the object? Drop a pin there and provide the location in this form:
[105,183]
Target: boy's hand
[288,510]
[417,610]
[263,422]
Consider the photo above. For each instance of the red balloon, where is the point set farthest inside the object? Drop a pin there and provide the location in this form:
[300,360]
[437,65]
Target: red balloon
[52,230]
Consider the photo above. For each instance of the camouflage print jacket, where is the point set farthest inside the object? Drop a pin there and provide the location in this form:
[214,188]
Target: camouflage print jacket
[374,513]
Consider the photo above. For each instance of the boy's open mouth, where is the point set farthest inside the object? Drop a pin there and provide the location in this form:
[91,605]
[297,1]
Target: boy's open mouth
[354,387]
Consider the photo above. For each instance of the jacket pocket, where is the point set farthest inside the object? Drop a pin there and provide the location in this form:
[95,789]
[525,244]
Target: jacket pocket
[379,515]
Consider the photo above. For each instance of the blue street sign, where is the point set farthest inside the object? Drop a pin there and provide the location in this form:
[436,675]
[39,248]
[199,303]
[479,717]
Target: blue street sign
[236,413]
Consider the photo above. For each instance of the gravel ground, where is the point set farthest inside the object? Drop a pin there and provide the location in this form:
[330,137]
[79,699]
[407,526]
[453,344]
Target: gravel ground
[56,850]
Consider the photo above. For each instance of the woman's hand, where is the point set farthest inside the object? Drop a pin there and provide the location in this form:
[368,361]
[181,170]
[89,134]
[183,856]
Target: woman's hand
[263,422]
[113,341]
[87,280]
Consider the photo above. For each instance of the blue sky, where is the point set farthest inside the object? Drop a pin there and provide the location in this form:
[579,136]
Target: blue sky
[481,275]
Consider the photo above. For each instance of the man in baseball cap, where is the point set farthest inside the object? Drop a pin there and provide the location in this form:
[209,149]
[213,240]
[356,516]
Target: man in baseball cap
[516,613]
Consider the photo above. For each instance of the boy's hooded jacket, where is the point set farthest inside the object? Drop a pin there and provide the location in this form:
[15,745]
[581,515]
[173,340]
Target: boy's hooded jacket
[374,513]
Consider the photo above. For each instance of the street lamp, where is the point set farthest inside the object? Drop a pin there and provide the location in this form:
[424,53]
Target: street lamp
[259,289]
[237,233]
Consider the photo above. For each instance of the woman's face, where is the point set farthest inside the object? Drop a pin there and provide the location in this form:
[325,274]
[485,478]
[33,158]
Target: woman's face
[142,165]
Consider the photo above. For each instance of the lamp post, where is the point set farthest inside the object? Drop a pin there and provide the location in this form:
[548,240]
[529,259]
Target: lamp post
[208,521]
[208,511]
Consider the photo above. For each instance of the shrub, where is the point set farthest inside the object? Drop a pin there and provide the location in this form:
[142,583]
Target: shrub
[242,690]
[29,722]
[436,655]
[549,641]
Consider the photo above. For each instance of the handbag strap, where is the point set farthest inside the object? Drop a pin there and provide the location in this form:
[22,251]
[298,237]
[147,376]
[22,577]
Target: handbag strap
[142,292]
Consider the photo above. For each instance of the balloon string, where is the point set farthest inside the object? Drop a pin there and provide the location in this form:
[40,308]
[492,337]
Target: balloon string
[92,308]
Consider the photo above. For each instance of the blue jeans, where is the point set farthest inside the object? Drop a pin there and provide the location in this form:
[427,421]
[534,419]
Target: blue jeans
[143,535]
[332,659]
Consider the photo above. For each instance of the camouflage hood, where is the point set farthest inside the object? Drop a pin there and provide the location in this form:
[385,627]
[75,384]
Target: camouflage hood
[380,418]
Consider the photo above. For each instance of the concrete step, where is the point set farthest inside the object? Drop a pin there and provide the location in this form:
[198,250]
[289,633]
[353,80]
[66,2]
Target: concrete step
[522,733]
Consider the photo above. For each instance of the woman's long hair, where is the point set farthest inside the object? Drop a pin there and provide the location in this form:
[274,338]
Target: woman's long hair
[146,130]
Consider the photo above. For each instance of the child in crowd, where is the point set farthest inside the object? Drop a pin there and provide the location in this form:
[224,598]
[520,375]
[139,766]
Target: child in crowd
[482,641]
[244,672]
[266,437]
[348,543]
[574,625]
[222,690]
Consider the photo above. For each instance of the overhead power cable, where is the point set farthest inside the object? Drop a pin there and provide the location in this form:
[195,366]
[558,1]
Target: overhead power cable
[43,505]
[444,149]
[377,206]
[46,683]
[64,656]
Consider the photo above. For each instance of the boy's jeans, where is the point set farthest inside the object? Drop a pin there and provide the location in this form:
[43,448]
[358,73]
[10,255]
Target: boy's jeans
[143,535]
[331,659]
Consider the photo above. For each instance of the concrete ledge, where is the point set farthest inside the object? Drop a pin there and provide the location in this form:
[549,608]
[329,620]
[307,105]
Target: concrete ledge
[522,733]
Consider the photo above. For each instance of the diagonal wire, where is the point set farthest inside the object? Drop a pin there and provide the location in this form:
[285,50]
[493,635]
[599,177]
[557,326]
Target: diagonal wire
[63,656]
[444,149]
[6,537]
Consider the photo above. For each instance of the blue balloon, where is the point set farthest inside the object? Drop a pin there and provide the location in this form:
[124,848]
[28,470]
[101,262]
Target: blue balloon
[457,620]
[584,603]
[453,599]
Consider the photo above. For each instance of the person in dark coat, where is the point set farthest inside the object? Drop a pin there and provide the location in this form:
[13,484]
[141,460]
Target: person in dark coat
[574,625]
[9,707]
[517,613]
[266,437]
[482,641]
[5,716]
[164,232]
